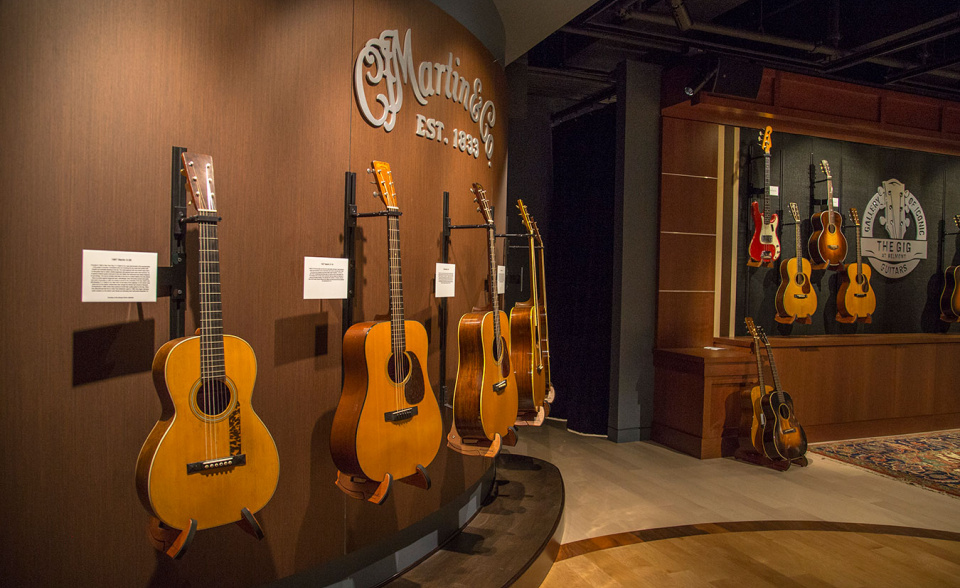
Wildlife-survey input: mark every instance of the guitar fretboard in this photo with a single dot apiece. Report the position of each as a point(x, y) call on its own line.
point(398, 334)
point(766, 188)
point(494, 298)
point(211, 318)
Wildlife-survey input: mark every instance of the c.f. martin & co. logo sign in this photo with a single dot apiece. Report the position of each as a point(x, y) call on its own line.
point(902, 240)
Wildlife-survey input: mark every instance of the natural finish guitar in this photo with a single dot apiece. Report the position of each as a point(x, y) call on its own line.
point(485, 395)
point(764, 246)
point(525, 339)
point(542, 303)
point(751, 413)
point(210, 460)
point(387, 425)
point(796, 299)
point(783, 437)
point(950, 297)
point(856, 299)
point(828, 246)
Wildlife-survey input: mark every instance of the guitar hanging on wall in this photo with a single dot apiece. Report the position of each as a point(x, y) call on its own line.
point(485, 395)
point(209, 460)
point(526, 355)
point(542, 302)
point(764, 246)
point(387, 425)
point(828, 246)
point(950, 297)
point(783, 437)
point(856, 299)
point(796, 299)
point(752, 419)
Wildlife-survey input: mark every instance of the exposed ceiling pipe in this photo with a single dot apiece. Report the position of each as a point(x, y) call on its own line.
point(921, 69)
point(593, 102)
point(928, 31)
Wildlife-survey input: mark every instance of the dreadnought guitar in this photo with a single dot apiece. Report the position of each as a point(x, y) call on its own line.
point(752, 419)
point(542, 304)
point(387, 425)
point(525, 352)
point(764, 246)
point(950, 297)
point(210, 460)
point(796, 298)
point(485, 399)
point(856, 300)
point(828, 246)
point(783, 437)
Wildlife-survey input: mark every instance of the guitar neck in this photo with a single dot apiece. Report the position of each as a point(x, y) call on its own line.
point(756, 348)
point(534, 288)
point(859, 257)
point(773, 367)
point(399, 337)
point(211, 317)
point(494, 298)
point(766, 188)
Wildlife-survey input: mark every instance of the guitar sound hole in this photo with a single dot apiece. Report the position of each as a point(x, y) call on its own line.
point(497, 350)
point(784, 412)
point(213, 398)
point(396, 373)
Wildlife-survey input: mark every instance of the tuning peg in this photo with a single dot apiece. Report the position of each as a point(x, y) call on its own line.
point(369, 171)
point(376, 194)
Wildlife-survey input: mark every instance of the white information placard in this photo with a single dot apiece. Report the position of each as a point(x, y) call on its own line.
point(501, 279)
point(119, 276)
point(446, 280)
point(325, 278)
point(774, 190)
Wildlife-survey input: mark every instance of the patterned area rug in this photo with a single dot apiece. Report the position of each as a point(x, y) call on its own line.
point(931, 460)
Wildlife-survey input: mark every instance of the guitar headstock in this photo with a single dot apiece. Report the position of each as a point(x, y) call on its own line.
point(762, 335)
point(765, 141)
point(388, 194)
point(795, 211)
point(480, 197)
point(751, 327)
point(855, 217)
point(956, 219)
point(525, 216)
point(198, 169)
point(825, 168)
point(536, 233)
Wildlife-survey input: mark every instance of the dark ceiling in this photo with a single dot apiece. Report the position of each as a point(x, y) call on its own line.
point(909, 46)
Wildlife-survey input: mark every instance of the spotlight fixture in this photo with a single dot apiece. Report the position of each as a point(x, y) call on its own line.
point(701, 81)
point(680, 15)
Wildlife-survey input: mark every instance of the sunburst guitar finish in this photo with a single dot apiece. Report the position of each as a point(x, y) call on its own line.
point(827, 245)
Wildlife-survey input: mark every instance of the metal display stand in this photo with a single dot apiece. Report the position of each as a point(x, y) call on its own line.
point(172, 281)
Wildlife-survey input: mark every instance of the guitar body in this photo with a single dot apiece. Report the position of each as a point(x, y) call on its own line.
point(783, 437)
point(180, 437)
point(525, 355)
point(950, 297)
point(827, 245)
point(480, 412)
point(751, 413)
point(764, 246)
point(796, 298)
point(362, 441)
point(855, 298)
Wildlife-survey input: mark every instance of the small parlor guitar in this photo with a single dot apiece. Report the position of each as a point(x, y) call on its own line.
point(828, 246)
point(387, 425)
point(783, 437)
point(856, 300)
point(542, 304)
point(764, 246)
point(210, 460)
point(525, 353)
point(485, 395)
point(796, 298)
point(751, 413)
point(950, 297)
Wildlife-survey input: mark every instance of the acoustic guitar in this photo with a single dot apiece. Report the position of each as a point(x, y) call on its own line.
point(525, 339)
point(752, 419)
point(387, 425)
point(856, 299)
point(209, 460)
point(542, 304)
point(828, 246)
point(796, 299)
point(783, 437)
point(764, 245)
point(950, 297)
point(485, 399)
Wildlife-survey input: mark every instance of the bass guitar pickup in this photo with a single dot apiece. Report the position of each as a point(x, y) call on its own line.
point(212, 465)
point(400, 415)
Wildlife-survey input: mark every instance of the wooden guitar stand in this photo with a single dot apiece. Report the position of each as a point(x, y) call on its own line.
point(174, 542)
point(530, 419)
point(852, 319)
point(789, 320)
point(376, 492)
point(480, 447)
point(782, 465)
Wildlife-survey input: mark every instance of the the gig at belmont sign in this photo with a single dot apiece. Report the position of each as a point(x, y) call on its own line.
point(387, 64)
point(898, 212)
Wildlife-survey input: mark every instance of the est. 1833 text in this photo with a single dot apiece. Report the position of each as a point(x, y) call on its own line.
point(430, 128)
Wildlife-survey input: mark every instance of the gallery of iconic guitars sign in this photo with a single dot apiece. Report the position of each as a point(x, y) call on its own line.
point(386, 63)
point(899, 214)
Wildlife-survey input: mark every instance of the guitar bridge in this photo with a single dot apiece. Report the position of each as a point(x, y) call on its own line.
point(859, 295)
point(500, 386)
point(833, 247)
point(212, 465)
point(800, 296)
point(400, 415)
point(788, 431)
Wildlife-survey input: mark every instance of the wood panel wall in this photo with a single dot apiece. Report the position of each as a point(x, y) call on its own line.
point(93, 97)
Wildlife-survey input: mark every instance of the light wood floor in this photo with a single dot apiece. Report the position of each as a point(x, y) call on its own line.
point(615, 488)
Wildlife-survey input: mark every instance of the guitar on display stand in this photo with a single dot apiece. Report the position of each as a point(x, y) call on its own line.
point(752, 419)
point(542, 301)
point(485, 402)
point(828, 246)
point(764, 246)
point(783, 437)
point(796, 299)
point(209, 460)
point(526, 356)
point(856, 299)
point(950, 297)
point(387, 425)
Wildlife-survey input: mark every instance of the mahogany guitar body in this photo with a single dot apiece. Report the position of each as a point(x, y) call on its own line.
point(526, 358)
point(827, 245)
point(363, 441)
point(950, 297)
point(856, 299)
point(197, 424)
point(480, 411)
